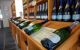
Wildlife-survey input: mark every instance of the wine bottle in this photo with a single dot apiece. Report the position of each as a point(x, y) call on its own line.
point(24, 24)
point(58, 37)
point(41, 11)
point(17, 22)
point(60, 11)
point(13, 19)
point(38, 13)
point(31, 28)
point(46, 11)
point(54, 12)
point(67, 16)
point(76, 14)
point(16, 18)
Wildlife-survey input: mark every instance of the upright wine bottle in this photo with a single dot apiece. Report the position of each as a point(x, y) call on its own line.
point(24, 24)
point(54, 12)
point(58, 37)
point(60, 11)
point(43, 12)
point(38, 13)
point(46, 10)
point(67, 16)
point(76, 14)
point(31, 28)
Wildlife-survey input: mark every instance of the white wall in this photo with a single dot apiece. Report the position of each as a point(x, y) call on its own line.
point(6, 11)
point(19, 8)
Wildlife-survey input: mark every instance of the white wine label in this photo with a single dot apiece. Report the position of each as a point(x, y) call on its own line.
point(76, 16)
point(54, 38)
point(30, 26)
point(44, 32)
point(21, 24)
point(26, 20)
point(16, 22)
point(37, 16)
point(54, 16)
point(59, 17)
point(46, 16)
point(66, 17)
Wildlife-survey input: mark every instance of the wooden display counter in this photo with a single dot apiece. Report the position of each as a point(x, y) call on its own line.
point(69, 44)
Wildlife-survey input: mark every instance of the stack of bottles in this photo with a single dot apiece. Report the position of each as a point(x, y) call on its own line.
point(42, 11)
point(66, 10)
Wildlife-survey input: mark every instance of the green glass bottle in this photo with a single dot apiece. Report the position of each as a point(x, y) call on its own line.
point(24, 24)
point(58, 37)
point(31, 28)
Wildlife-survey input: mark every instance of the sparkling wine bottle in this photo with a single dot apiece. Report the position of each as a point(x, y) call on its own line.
point(46, 11)
point(54, 13)
point(58, 37)
point(60, 11)
point(67, 16)
point(38, 13)
point(31, 28)
point(76, 13)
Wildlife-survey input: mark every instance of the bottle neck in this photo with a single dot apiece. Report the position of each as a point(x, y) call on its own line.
point(73, 25)
point(44, 22)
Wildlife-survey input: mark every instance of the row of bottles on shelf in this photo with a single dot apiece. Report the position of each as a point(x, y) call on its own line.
point(42, 11)
point(51, 41)
point(27, 25)
point(66, 10)
point(31, 12)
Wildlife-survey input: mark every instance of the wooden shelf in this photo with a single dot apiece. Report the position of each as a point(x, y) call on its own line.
point(33, 44)
point(40, 2)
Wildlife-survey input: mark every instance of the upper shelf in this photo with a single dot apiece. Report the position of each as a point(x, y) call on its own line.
point(41, 1)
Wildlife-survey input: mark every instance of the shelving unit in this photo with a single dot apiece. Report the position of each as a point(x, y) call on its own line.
point(70, 44)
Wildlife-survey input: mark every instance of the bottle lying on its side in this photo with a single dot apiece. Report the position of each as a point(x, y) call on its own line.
point(58, 37)
point(31, 28)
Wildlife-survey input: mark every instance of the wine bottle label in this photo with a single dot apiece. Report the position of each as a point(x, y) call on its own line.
point(37, 16)
point(30, 26)
point(54, 17)
point(16, 22)
point(66, 17)
point(59, 17)
point(54, 38)
point(44, 16)
point(21, 24)
point(76, 17)
point(44, 32)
